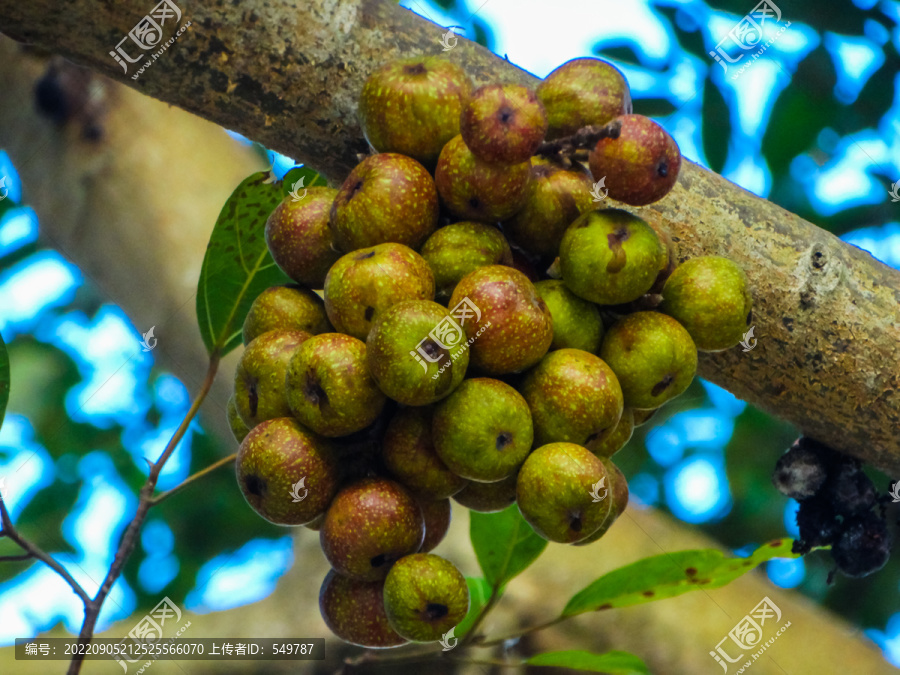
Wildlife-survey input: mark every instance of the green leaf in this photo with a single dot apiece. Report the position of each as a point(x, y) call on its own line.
point(237, 266)
point(4, 379)
point(479, 592)
point(302, 177)
point(504, 544)
point(668, 575)
point(612, 663)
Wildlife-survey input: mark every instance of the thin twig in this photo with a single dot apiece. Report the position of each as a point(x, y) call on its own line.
point(16, 558)
point(521, 633)
point(583, 139)
point(34, 551)
point(190, 479)
point(129, 538)
point(390, 657)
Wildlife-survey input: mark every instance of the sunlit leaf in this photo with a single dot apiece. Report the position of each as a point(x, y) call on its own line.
point(479, 592)
point(237, 266)
point(669, 575)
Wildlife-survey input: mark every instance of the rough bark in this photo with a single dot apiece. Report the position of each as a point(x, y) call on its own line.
point(287, 74)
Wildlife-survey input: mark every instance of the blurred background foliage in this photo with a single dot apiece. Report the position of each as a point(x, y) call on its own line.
point(811, 125)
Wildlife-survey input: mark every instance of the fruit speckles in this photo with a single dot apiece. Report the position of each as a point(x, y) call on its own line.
point(520, 329)
point(413, 107)
point(369, 525)
point(498, 190)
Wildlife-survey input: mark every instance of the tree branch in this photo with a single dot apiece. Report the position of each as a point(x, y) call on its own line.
point(825, 312)
point(190, 479)
point(129, 538)
point(7, 529)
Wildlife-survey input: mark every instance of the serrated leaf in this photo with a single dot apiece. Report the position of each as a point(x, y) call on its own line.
point(504, 544)
point(612, 663)
point(479, 592)
point(237, 266)
point(669, 575)
point(4, 379)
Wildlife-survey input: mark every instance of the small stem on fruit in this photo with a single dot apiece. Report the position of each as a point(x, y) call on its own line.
point(583, 139)
point(129, 538)
point(514, 636)
point(190, 479)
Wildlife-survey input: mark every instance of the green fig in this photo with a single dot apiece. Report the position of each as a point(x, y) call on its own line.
point(562, 492)
point(483, 430)
point(455, 250)
point(583, 92)
point(640, 164)
point(606, 447)
point(386, 198)
point(509, 324)
point(653, 357)
point(238, 428)
point(329, 388)
point(408, 453)
point(488, 497)
point(618, 490)
point(417, 353)
point(475, 190)
point(286, 473)
point(437, 514)
point(425, 596)
point(556, 196)
point(576, 322)
point(370, 525)
point(299, 238)
point(259, 391)
point(710, 298)
point(363, 283)
point(412, 106)
point(503, 123)
point(354, 611)
point(573, 396)
point(285, 308)
point(610, 257)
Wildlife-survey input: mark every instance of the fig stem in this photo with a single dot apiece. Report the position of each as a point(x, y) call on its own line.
point(583, 139)
point(190, 479)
